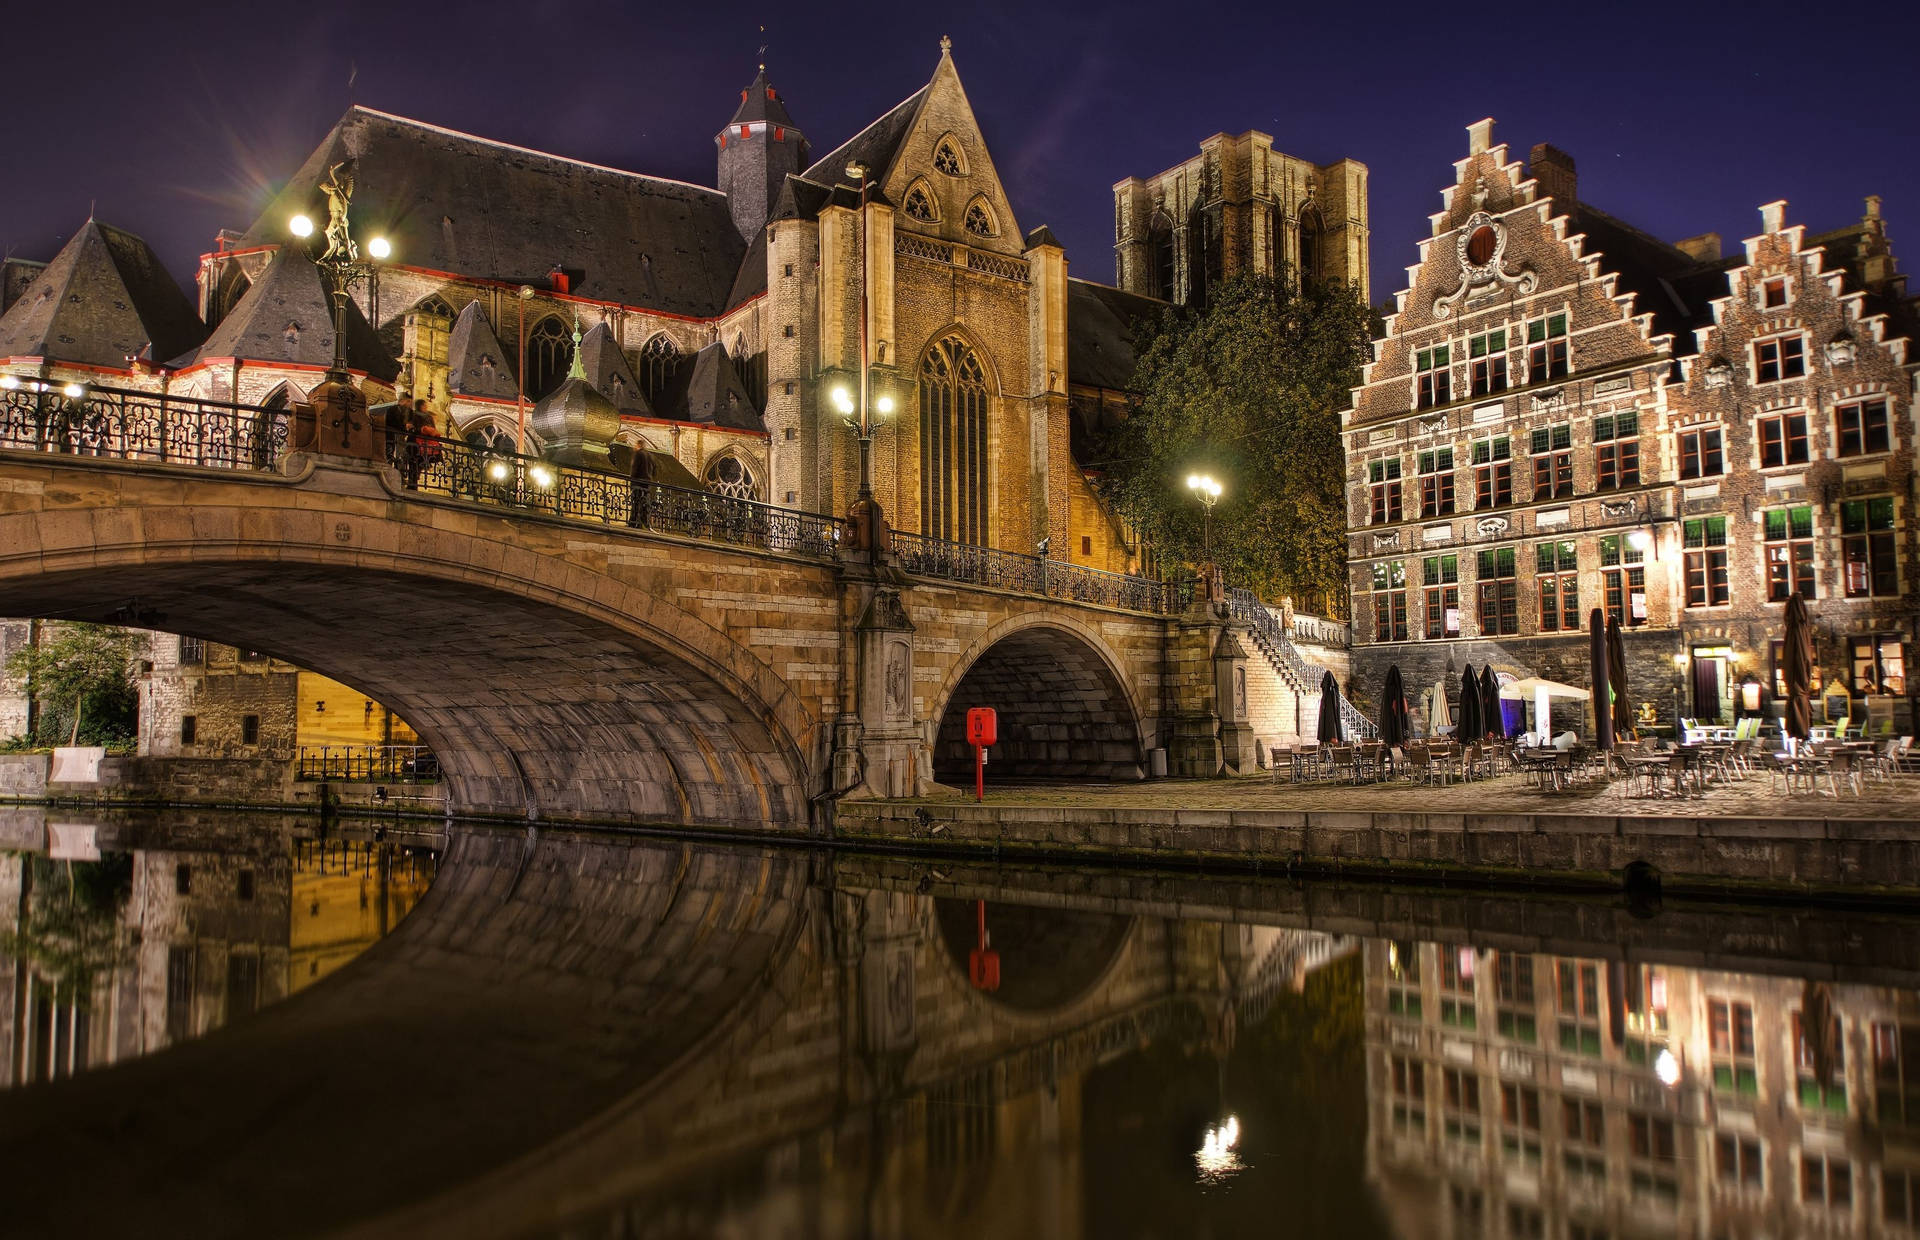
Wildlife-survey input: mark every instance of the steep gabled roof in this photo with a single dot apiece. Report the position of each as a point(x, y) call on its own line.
point(287, 317)
point(1668, 283)
point(752, 280)
point(874, 146)
point(761, 102)
point(104, 298)
point(476, 364)
point(800, 199)
point(714, 394)
point(453, 202)
point(1101, 323)
point(607, 369)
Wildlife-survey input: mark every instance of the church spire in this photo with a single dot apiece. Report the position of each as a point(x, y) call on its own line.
point(757, 150)
point(576, 370)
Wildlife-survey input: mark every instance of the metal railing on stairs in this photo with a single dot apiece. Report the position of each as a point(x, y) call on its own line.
point(1305, 677)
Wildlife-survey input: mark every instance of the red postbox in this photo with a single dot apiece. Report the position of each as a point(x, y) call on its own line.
point(983, 729)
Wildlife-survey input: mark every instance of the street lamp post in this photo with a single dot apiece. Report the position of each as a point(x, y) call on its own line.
point(1207, 491)
point(867, 519)
point(335, 418)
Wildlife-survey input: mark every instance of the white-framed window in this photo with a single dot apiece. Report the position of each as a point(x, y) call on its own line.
point(1774, 292)
point(1779, 357)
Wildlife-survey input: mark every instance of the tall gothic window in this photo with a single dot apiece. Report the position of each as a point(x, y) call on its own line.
point(1160, 255)
point(1311, 229)
point(953, 443)
point(1203, 254)
point(549, 348)
point(659, 362)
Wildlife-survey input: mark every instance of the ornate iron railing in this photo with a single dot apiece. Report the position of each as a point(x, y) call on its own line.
point(82, 420)
point(502, 479)
point(395, 764)
point(1306, 677)
point(1032, 574)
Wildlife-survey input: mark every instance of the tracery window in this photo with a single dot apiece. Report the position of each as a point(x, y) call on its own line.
point(549, 349)
point(489, 437)
point(1160, 254)
point(953, 443)
point(752, 369)
point(1310, 249)
point(659, 362)
point(919, 205)
point(947, 159)
point(732, 477)
point(979, 220)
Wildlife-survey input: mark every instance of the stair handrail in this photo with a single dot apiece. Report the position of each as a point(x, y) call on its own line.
point(1306, 677)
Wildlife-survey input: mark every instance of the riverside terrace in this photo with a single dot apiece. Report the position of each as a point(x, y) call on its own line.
point(1743, 834)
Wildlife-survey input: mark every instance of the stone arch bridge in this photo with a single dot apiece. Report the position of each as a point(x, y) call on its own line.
point(575, 649)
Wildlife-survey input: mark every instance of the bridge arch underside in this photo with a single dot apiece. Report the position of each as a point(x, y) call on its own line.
point(1063, 713)
point(533, 708)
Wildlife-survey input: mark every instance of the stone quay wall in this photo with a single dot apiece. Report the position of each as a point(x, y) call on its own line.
point(1856, 859)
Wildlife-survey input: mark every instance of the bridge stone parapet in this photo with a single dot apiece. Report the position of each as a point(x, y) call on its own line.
point(585, 669)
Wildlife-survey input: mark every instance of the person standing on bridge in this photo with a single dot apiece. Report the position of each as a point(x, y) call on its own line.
point(423, 442)
point(641, 499)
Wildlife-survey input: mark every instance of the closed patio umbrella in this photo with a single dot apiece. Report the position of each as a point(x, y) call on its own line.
point(1329, 710)
point(1439, 713)
point(1617, 681)
point(1490, 703)
point(1467, 730)
point(1396, 722)
point(1796, 668)
point(1602, 698)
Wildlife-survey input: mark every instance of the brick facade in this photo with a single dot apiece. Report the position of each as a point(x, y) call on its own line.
point(1527, 445)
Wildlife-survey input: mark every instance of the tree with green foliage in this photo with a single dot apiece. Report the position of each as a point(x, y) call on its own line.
point(1248, 388)
point(81, 676)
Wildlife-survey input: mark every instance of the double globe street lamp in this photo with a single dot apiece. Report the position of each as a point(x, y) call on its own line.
point(1207, 491)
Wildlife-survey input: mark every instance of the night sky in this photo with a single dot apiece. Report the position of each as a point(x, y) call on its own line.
point(1682, 120)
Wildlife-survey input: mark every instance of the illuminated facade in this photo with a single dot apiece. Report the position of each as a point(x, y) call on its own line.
point(1566, 413)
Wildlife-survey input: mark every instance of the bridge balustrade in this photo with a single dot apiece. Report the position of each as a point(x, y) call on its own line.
point(1033, 574)
point(78, 420)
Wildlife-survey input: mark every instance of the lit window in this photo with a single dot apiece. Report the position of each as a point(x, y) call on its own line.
point(1789, 552)
point(1552, 451)
point(1877, 664)
point(1863, 428)
point(1487, 354)
point(1706, 561)
point(1782, 357)
point(1436, 483)
point(1499, 595)
point(1436, 377)
point(1440, 577)
point(1547, 349)
point(1623, 581)
point(1783, 439)
point(1390, 602)
point(1383, 489)
point(1616, 451)
point(1492, 473)
point(1867, 548)
point(1558, 581)
point(1700, 453)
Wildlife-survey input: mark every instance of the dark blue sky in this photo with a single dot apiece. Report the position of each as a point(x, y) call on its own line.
point(1682, 118)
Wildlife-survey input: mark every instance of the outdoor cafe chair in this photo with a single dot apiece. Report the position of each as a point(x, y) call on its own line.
point(1341, 762)
point(1841, 765)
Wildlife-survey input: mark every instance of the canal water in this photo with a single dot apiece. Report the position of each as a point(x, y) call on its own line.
point(242, 1025)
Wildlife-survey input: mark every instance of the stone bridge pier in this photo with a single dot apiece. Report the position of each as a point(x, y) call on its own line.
point(566, 665)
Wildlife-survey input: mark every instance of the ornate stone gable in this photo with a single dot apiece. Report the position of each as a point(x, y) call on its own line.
point(945, 156)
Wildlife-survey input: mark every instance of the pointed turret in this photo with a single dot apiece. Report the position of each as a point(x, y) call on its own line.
point(575, 421)
point(287, 317)
point(758, 148)
point(104, 298)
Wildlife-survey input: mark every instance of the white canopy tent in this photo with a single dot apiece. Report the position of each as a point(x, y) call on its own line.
point(1542, 692)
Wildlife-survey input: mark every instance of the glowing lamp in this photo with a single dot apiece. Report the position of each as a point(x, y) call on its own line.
point(1639, 540)
point(842, 400)
point(9, 382)
point(1667, 1068)
point(73, 391)
point(301, 226)
point(379, 248)
point(542, 476)
point(497, 471)
point(884, 404)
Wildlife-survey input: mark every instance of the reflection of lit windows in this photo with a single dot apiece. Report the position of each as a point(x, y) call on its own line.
point(1816, 1094)
point(1646, 1013)
point(1520, 1122)
point(1579, 1007)
point(1525, 1222)
point(1460, 1093)
point(1513, 995)
point(1583, 1139)
point(1403, 980)
point(1826, 1181)
point(1736, 1161)
point(1896, 1073)
point(1650, 1141)
point(1409, 1096)
point(1456, 986)
point(1730, 1045)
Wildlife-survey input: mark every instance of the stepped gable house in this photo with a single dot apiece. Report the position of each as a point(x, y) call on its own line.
point(1565, 413)
point(712, 323)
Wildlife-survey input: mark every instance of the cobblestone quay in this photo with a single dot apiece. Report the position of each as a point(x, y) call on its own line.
point(1739, 840)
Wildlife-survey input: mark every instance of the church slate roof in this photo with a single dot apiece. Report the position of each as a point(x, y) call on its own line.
point(452, 202)
point(607, 370)
point(287, 317)
point(1670, 284)
point(714, 394)
point(874, 146)
point(800, 199)
point(104, 298)
point(1101, 324)
point(752, 280)
point(477, 365)
point(761, 102)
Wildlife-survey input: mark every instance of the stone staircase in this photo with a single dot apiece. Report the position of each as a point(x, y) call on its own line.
point(1283, 689)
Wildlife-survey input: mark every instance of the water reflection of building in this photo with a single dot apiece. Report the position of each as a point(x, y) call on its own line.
point(190, 939)
point(1520, 1094)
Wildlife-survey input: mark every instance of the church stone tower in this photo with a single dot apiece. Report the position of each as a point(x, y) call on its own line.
point(757, 150)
